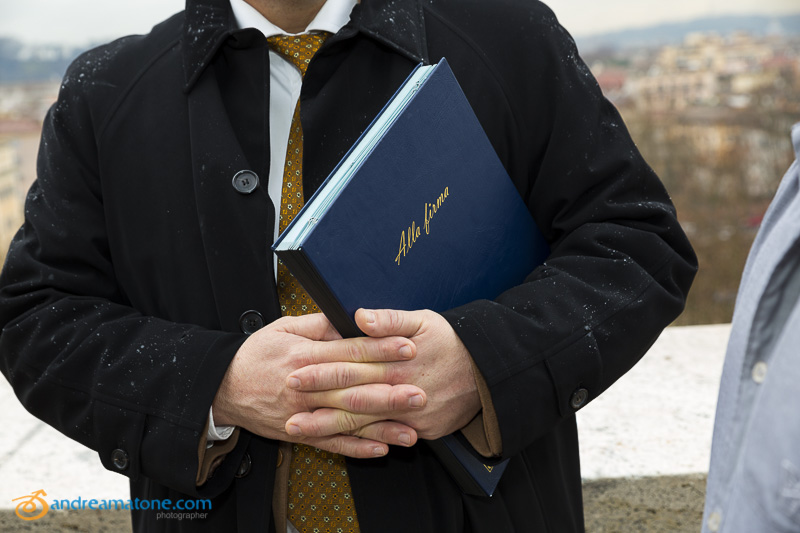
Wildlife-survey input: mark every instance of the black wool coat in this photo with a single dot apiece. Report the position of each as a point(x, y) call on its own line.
point(122, 295)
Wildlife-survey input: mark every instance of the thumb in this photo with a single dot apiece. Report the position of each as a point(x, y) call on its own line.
point(389, 322)
point(314, 326)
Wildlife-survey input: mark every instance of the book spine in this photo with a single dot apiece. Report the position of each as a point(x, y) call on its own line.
point(298, 263)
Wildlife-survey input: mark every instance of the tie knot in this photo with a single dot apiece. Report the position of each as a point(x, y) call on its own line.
point(299, 49)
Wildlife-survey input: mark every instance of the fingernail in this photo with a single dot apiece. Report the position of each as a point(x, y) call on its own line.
point(293, 430)
point(405, 352)
point(416, 401)
point(369, 316)
point(293, 383)
point(378, 451)
point(404, 438)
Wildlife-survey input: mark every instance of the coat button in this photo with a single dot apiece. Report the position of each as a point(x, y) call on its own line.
point(245, 181)
point(578, 398)
point(714, 521)
point(120, 459)
point(760, 372)
point(244, 466)
point(280, 459)
point(251, 321)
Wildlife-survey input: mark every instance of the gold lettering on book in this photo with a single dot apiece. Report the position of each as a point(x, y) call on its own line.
point(409, 236)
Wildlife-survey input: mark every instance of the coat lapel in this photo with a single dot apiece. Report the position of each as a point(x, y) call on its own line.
point(207, 22)
point(236, 228)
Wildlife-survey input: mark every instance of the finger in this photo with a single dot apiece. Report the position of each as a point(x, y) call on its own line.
point(371, 408)
point(362, 350)
point(389, 322)
point(390, 432)
point(328, 376)
point(314, 326)
point(371, 399)
point(350, 446)
point(327, 422)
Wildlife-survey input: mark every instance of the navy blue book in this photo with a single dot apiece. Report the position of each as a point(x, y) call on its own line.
point(420, 214)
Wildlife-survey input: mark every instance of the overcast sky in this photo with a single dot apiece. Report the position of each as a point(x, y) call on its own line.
point(81, 21)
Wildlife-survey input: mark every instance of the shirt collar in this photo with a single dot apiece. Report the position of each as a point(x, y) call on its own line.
point(208, 23)
point(332, 17)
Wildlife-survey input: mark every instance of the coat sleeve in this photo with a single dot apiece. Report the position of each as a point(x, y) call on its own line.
point(134, 388)
point(620, 265)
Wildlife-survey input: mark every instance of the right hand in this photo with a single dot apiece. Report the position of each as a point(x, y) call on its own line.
point(254, 393)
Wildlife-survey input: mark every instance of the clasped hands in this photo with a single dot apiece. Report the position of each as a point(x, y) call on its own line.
point(297, 380)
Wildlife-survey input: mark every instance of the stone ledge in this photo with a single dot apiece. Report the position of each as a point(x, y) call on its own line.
point(658, 419)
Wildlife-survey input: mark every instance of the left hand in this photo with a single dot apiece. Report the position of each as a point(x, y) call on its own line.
point(442, 368)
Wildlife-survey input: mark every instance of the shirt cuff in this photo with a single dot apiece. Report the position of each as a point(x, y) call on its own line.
point(216, 433)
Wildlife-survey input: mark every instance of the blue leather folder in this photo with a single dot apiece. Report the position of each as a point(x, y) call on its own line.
point(420, 214)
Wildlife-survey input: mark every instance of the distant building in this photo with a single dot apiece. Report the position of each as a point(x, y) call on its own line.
point(709, 70)
point(27, 100)
point(19, 145)
point(613, 81)
point(23, 134)
point(675, 90)
point(11, 207)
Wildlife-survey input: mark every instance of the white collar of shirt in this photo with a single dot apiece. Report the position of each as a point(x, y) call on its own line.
point(333, 15)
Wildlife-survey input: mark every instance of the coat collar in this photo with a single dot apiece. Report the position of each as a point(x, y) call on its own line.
point(398, 24)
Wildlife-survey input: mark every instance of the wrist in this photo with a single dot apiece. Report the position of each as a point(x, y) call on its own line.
point(221, 406)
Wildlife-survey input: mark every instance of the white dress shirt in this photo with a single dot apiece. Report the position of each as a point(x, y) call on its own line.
point(284, 91)
point(285, 82)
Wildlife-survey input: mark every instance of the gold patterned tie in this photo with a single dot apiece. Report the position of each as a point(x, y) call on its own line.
point(320, 499)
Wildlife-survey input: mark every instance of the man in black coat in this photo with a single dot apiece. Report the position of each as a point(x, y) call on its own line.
point(129, 293)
